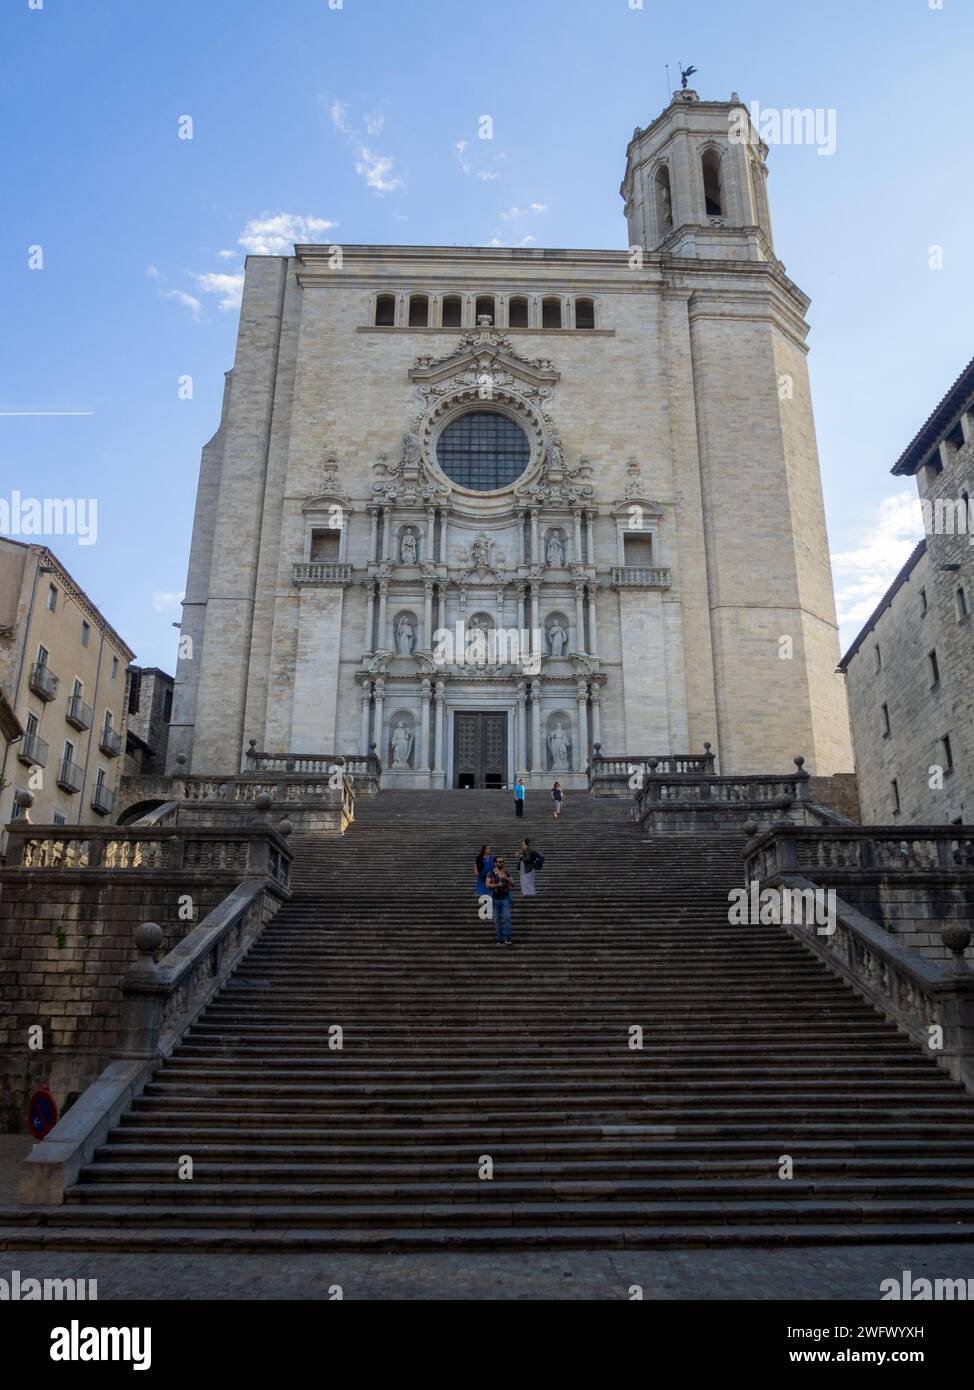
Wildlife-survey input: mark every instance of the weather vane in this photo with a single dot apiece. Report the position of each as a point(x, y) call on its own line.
point(685, 75)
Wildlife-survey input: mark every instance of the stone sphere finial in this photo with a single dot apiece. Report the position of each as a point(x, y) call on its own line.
point(799, 762)
point(707, 747)
point(750, 827)
point(252, 743)
point(263, 802)
point(286, 827)
point(149, 936)
point(180, 760)
point(24, 798)
point(956, 937)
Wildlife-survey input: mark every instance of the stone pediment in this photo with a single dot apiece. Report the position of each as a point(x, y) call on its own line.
point(485, 353)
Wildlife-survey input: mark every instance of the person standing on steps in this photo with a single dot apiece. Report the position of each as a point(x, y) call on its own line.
point(519, 798)
point(482, 867)
point(499, 883)
point(557, 796)
point(527, 863)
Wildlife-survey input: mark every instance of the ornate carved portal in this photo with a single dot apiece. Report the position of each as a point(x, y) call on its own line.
point(479, 749)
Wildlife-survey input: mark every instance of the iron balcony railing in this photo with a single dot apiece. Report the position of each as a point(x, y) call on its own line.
point(79, 714)
point(103, 800)
point(32, 750)
point(111, 742)
point(43, 681)
point(70, 776)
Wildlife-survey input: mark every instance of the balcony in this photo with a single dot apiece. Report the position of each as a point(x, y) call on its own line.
point(43, 681)
point(321, 572)
point(70, 776)
point(79, 714)
point(111, 742)
point(102, 800)
point(32, 750)
point(641, 577)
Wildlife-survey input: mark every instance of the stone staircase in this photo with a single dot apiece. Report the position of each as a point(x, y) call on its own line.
point(456, 1050)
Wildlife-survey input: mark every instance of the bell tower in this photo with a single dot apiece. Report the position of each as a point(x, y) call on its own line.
point(695, 182)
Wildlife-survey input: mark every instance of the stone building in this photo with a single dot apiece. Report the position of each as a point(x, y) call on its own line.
point(910, 671)
point(485, 508)
point(63, 667)
point(149, 705)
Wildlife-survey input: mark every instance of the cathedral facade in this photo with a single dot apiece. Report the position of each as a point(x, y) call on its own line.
point(486, 508)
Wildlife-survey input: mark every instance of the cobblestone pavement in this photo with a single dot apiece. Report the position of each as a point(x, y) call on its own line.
point(841, 1272)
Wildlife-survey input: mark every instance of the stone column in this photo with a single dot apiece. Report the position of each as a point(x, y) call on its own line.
point(596, 714)
point(369, 615)
point(537, 766)
point(440, 728)
point(383, 604)
point(520, 607)
point(428, 614)
point(522, 540)
point(579, 617)
point(581, 748)
point(535, 609)
point(534, 536)
point(522, 728)
point(444, 536)
point(365, 703)
point(590, 536)
point(387, 532)
point(423, 753)
point(374, 538)
point(430, 535)
point(378, 735)
point(577, 520)
point(593, 640)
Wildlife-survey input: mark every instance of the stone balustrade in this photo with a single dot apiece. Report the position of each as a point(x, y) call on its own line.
point(910, 954)
point(697, 802)
point(159, 1003)
point(622, 775)
point(641, 577)
point(314, 572)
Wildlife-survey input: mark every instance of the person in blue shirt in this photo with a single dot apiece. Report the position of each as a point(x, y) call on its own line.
point(519, 797)
point(483, 865)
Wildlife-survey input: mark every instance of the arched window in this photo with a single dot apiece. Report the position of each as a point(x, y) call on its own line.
point(385, 311)
point(551, 313)
point(452, 311)
point(483, 450)
point(712, 193)
point(517, 312)
point(664, 200)
point(485, 305)
point(419, 311)
point(584, 313)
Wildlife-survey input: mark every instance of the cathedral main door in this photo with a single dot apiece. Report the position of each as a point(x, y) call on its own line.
point(479, 749)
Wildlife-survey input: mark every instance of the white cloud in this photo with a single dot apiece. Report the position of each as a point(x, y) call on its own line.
point(228, 287)
point(486, 175)
point(164, 602)
point(275, 234)
point(228, 255)
point(376, 169)
point(863, 574)
point(188, 301)
point(525, 241)
point(339, 115)
point(512, 213)
point(374, 122)
point(153, 273)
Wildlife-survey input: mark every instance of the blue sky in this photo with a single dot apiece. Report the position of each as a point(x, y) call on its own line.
point(306, 115)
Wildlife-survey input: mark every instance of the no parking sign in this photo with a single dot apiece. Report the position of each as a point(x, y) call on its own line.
point(41, 1113)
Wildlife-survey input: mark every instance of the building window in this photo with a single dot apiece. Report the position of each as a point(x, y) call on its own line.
point(52, 597)
point(419, 311)
point(885, 713)
point(483, 450)
point(385, 311)
point(517, 312)
point(135, 691)
point(485, 305)
point(114, 667)
point(948, 753)
point(963, 607)
point(452, 311)
point(664, 200)
point(895, 789)
point(60, 818)
point(879, 657)
point(584, 313)
point(934, 669)
point(551, 313)
point(924, 605)
point(167, 706)
point(85, 633)
point(325, 547)
point(713, 196)
point(42, 655)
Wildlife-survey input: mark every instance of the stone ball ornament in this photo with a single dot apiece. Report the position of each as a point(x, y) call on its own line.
point(263, 801)
point(149, 937)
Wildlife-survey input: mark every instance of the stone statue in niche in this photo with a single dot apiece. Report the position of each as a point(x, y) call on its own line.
point(480, 552)
point(402, 744)
point(477, 647)
point(557, 638)
point(408, 550)
point(558, 746)
point(555, 550)
point(405, 636)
